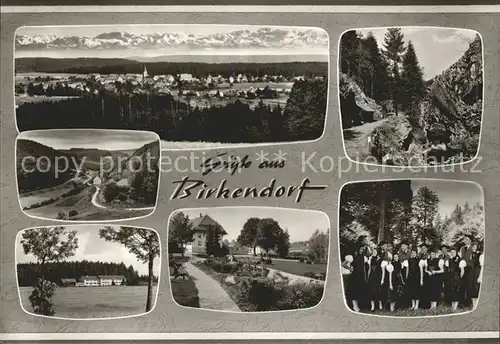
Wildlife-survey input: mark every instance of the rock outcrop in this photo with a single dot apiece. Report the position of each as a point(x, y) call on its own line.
point(451, 112)
point(354, 103)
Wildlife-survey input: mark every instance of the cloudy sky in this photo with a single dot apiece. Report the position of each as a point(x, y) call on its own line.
point(92, 248)
point(300, 224)
point(162, 40)
point(450, 193)
point(90, 138)
point(436, 48)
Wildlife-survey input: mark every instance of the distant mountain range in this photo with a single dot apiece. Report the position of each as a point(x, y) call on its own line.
point(265, 38)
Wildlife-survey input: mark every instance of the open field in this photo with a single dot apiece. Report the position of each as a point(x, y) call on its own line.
point(40, 99)
point(38, 196)
point(95, 302)
point(297, 268)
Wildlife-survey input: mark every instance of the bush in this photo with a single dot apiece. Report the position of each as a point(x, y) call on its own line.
point(304, 295)
point(309, 274)
point(61, 215)
point(111, 191)
point(41, 298)
point(73, 213)
point(122, 197)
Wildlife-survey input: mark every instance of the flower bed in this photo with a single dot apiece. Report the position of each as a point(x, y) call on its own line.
point(252, 290)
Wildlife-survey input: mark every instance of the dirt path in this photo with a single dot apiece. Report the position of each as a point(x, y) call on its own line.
point(356, 139)
point(210, 292)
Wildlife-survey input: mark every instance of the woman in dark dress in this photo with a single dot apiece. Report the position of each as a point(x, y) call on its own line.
point(453, 279)
point(412, 280)
point(434, 271)
point(359, 288)
point(475, 283)
point(374, 280)
point(395, 279)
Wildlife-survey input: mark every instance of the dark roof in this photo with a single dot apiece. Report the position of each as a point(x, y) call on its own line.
point(200, 223)
point(68, 280)
point(111, 276)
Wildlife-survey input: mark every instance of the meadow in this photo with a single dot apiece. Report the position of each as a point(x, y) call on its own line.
point(95, 302)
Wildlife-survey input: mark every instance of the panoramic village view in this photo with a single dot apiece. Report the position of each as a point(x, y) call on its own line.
point(87, 271)
point(193, 85)
point(411, 96)
point(87, 174)
point(248, 259)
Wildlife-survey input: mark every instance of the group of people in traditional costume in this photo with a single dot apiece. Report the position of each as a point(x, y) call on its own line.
point(380, 278)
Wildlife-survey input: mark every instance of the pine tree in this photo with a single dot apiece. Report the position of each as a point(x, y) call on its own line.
point(412, 82)
point(394, 48)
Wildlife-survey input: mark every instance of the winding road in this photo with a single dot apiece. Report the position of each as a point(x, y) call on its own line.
point(96, 204)
point(356, 138)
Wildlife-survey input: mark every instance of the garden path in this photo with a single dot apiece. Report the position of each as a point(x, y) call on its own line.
point(210, 292)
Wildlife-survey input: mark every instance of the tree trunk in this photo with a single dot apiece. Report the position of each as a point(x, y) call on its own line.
point(149, 301)
point(254, 249)
point(381, 224)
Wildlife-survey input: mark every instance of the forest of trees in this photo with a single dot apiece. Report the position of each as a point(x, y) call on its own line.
point(197, 69)
point(302, 118)
point(390, 211)
point(391, 76)
point(28, 273)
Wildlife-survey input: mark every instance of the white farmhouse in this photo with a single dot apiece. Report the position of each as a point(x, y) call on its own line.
point(90, 281)
point(111, 280)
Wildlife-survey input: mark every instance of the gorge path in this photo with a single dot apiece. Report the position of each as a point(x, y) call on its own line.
point(355, 139)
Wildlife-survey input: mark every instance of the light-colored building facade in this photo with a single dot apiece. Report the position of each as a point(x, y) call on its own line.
point(101, 281)
point(201, 225)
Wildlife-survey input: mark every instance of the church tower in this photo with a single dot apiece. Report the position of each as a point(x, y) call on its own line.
point(145, 73)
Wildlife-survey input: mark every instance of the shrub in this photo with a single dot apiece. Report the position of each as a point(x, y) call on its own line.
point(303, 295)
point(122, 196)
point(41, 297)
point(73, 213)
point(111, 191)
point(309, 274)
point(61, 215)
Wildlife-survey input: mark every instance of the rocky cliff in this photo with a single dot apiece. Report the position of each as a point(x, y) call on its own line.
point(445, 125)
point(451, 112)
point(353, 101)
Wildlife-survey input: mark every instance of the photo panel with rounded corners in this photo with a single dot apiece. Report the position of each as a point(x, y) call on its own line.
point(411, 96)
point(248, 259)
point(411, 247)
point(196, 86)
point(87, 174)
point(88, 271)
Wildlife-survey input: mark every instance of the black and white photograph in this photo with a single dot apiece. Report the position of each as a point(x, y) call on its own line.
point(412, 247)
point(196, 86)
point(87, 271)
point(87, 174)
point(411, 96)
point(248, 259)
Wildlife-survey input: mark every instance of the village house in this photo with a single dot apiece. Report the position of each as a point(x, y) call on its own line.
point(101, 281)
point(200, 227)
point(109, 280)
point(90, 281)
point(68, 282)
point(185, 77)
